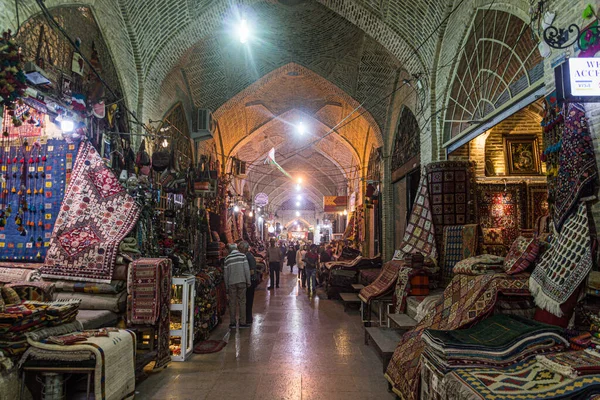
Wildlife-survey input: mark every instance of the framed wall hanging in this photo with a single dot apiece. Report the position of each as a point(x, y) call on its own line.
point(522, 155)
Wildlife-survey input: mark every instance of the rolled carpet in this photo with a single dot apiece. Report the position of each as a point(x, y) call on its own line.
point(112, 302)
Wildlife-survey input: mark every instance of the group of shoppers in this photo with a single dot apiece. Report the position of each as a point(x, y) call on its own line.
point(242, 276)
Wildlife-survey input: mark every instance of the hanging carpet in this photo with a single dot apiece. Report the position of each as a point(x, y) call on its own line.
point(97, 213)
point(504, 207)
point(149, 277)
point(466, 300)
point(384, 282)
point(577, 168)
point(563, 267)
point(451, 188)
point(460, 243)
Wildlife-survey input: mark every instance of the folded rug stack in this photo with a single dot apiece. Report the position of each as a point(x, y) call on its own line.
point(572, 363)
point(17, 320)
point(498, 341)
point(102, 303)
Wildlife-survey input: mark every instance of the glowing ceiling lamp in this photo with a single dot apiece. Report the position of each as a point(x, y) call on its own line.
point(271, 229)
point(297, 204)
point(299, 197)
point(67, 125)
point(345, 212)
point(301, 128)
point(298, 187)
point(243, 31)
point(297, 213)
point(236, 209)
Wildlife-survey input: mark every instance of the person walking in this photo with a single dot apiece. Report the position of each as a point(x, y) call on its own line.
point(300, 261)
point(274, 262)
point(243, 247)
point(237, 280)
point(291, 258)
point(311, 262)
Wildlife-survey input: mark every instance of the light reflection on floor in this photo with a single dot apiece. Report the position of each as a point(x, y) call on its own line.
point(297, 348)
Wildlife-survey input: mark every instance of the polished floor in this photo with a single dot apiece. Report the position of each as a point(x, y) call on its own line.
point(297, 348)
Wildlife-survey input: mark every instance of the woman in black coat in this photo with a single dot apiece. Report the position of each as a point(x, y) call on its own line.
point(291, 258)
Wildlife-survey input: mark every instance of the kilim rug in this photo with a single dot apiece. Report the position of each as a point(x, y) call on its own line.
point(460, 243)
point(466, 300)
point(419, 235)
point(96, 214)
point(572, 363)
point(525, 380)
point(537, 203)
point(384, 282)
point(502, 206)
point(163, 356)
point(114, 376)
point(564, 266)
point(451, 188)
point(144, 286)
point(209, 346)
point(577, 168)
point(9, 275)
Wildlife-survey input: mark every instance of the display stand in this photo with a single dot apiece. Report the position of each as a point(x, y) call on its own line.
point(182, 317)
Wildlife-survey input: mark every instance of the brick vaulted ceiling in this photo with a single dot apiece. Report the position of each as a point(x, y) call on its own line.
point(304, 63)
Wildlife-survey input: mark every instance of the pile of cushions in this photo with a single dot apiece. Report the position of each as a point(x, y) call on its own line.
point(521, 256)
point(498, 341)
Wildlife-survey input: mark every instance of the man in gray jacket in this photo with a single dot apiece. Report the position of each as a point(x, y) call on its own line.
point(237, 279)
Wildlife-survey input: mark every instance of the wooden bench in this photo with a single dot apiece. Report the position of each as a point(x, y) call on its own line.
point(349, 298)
point(385, 340)
point(401, 321)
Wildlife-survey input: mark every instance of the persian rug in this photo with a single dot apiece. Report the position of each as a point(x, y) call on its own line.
point(466, 300)
point(537, 203)
point(460, 243)
point(96, 214)
point(502, 206)
point(563, 267)
point(525, 380)
point(114, 375)
point(384, 282)
point(209, 346)
point(451, 188)
point(420, 232)
point(145, 283)
point(572, 363)
point(577, 168)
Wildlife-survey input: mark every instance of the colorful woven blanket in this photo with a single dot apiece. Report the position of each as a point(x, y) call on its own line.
point(466, 300)
point(96, 214)
point(384, 282)
point(525, 380)
point(577, 168)
point(563, 267)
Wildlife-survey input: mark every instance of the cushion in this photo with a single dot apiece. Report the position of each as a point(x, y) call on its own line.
point(494, 249)
point(521, 255)
point(492, 236)
point(478, 265)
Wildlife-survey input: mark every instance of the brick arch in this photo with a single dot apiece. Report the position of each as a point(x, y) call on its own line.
point(481, 85)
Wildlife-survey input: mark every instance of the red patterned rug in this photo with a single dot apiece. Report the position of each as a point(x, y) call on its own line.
point(164, 333)
point(502, 206)
point(96, 214)
point(147, 276)
point(466, 300)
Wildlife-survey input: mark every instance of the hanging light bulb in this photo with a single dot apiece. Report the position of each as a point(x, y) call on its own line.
point(236, 209)
point(165, 143)
point(297, 213)
point(250, 214)
point(345, 212)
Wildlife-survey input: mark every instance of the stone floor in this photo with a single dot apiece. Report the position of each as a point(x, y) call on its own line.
point(297, 348)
